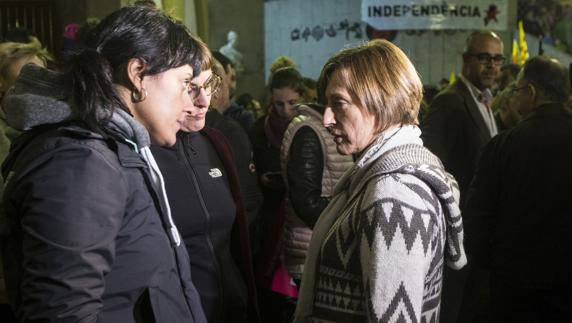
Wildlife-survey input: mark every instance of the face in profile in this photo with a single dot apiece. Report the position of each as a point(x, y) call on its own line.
point(522, 99)
point(483, 62)
point(354, 128)
point(220, 100)
point(284, 101)
point(200, 91)
point(163, 110)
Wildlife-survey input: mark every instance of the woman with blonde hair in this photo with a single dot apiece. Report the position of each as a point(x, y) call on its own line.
point(378, 249)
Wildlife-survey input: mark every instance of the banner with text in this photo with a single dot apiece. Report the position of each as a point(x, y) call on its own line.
point(435, 14)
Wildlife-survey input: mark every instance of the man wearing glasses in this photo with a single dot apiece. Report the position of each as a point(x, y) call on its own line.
point(518, 210)
point(458, 124)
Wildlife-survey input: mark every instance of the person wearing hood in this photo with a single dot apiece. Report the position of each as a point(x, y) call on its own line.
point(378, 249)
point(13, 56)
point(86, 229)
point(518, 208)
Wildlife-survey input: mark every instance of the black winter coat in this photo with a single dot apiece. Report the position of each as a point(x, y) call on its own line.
point(84, 235)
point(242, 149)
point(518, 219)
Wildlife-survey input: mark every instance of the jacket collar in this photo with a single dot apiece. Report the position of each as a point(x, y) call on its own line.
point(41, 96)
point(549, 110)
point(471, 106)
point(126, 155)
point(380, 157)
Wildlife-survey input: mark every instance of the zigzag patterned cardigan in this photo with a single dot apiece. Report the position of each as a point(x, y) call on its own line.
point(378, 249)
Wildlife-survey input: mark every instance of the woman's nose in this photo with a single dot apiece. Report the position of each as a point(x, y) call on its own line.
point(329, 119)
point(202, 100)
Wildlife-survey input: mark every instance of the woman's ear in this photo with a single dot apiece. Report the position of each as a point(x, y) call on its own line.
point(135, 72)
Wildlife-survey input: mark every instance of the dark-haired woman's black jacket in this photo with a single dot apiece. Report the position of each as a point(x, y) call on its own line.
point(83, 235)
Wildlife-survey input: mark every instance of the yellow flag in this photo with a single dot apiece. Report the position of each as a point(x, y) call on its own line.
point(452, 77)
point(523, 45)
point(515, 53)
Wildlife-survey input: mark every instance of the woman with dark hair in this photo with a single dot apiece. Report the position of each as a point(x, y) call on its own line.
point(286, 90)
point(86, 224)
point(378, 249)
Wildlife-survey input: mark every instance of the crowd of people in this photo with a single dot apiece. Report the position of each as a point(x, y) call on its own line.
point(548, 20)
point(139, 187)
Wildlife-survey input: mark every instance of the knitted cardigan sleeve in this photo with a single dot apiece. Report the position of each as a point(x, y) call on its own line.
point(400, 249)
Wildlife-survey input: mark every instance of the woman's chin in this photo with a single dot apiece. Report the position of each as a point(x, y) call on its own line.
point(193, 124)
point(164, 141)
point(343, 149)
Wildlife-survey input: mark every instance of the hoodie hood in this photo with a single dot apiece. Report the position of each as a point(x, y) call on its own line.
point(41, 96)
point(401, 151)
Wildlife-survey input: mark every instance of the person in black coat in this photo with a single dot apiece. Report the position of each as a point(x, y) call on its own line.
point(86, 230)
point(240, 144)
point(518, 210)
point(458, 123)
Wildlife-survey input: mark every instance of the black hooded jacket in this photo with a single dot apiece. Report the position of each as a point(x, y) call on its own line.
point(85, 235)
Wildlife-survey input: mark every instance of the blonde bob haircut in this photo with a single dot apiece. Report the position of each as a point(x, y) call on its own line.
point(379, 78)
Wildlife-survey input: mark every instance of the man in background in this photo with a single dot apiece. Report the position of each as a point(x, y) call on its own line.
point(518, 212)
point(244, 117)
point(457, 125)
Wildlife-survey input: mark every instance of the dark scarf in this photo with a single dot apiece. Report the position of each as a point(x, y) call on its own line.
point(275, 126)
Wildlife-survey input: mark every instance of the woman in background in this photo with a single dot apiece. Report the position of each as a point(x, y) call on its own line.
point(286, 89)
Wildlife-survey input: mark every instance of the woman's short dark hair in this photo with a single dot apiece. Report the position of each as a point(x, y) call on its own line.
point(287, 77)
point(136, 32)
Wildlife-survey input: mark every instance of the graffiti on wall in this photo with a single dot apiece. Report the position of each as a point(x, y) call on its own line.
point(351, 30)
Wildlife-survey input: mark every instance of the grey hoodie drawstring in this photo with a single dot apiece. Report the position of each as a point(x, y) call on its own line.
point(159, 183)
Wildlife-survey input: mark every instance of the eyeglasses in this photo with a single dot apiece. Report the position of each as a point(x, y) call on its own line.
point(485, 58)
point(211, 85)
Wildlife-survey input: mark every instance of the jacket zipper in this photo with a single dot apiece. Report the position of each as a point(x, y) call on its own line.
point(193, 176)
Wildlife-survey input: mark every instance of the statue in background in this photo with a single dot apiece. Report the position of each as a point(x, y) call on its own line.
point(229, 50)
